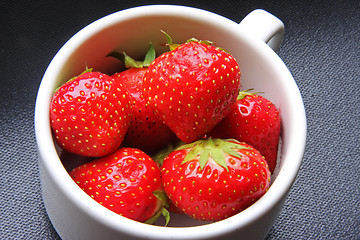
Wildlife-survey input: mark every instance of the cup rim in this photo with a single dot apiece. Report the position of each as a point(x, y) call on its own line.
point(67, 186)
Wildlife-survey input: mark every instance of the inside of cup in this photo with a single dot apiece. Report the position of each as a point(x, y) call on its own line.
point(91, 46)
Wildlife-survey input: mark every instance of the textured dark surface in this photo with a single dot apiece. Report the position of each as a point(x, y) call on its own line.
point(321, 48)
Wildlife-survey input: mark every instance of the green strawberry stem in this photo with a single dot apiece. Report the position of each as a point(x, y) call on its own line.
point(246, 92)
point(85, 71)
point(214, 148)
point(163, 211)
point(207, 42)
point(150, 55)
point(161, 195)
point(172, 45)
point(131, 63)
point(162, 154)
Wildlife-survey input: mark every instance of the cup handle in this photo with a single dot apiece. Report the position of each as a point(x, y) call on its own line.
point(264, 26)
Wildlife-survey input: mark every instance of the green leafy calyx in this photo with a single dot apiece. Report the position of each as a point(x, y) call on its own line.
point(87, 70)
point(161, 195)
point(162, 154)
point(212, 148)
point(132, 63)
point(172, 45)
point(245, 93)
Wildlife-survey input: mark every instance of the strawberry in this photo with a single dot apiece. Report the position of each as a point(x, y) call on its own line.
point(146, 131)
point(212, 179)
point(90, 114)
point(192, 87)
point(128, 182)
point(256, 121)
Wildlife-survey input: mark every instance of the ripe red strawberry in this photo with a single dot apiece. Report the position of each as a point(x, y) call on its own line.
point(192, 87)
point(214, 179)
point(90, 114)
point(256, 121)
point(146, 131)
point(124, 182)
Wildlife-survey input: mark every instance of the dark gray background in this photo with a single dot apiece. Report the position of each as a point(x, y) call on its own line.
point(321, 48)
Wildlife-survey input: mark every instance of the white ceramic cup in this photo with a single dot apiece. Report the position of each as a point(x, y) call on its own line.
point(73, 213)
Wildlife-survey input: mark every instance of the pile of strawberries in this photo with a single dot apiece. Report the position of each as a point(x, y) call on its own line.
point(171, 133)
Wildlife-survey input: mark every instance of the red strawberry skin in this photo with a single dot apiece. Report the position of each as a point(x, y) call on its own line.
point(123, 182)
point(90, 115)
point(192, 87)
point(256, 121)
point(212, 193)
point(146, 131)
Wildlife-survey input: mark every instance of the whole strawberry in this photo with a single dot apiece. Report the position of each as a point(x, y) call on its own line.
point(214, 179)
point(256, 121)
point(125, 182)
point(90, 114)
point(146, 131)
point(192, 87)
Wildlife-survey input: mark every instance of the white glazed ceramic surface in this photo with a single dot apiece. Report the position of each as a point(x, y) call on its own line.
point(73, 213)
